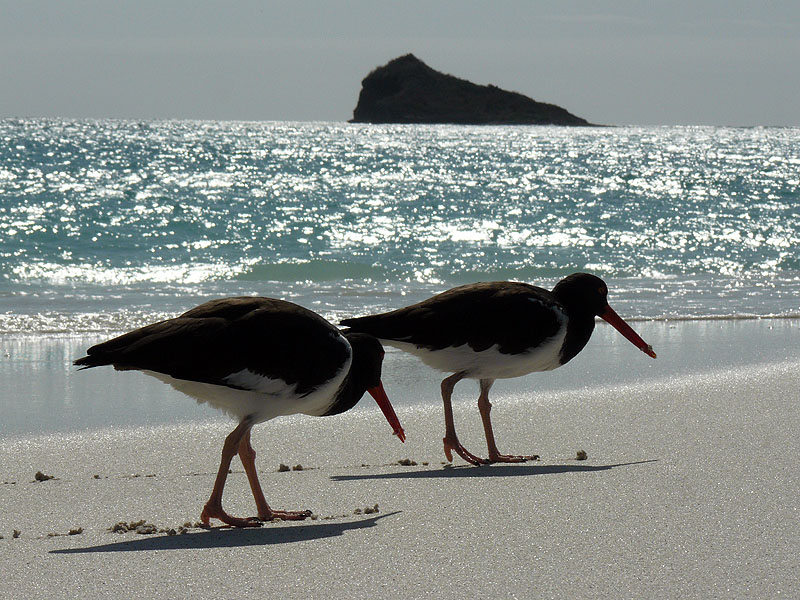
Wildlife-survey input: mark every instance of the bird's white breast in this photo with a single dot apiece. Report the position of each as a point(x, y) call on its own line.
point(490, 363)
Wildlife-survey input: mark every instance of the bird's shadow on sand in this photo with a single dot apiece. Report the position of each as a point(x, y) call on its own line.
point(285, 534)
point(500, 470)
point(222, 537)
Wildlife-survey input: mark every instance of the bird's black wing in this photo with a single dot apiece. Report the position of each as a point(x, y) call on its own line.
point(267, 337)
point(515, 316)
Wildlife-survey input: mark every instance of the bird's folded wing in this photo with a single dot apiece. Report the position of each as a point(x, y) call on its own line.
point(211, 342)
point(515, 318)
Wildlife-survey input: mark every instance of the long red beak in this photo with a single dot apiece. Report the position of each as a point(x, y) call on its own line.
point(388, 411)
point(616, 321)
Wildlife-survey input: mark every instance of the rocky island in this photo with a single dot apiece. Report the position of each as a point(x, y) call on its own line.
point(406, 90)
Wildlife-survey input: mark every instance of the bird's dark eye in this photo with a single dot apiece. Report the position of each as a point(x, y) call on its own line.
point(603, 290)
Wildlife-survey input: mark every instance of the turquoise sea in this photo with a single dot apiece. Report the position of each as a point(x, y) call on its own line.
point(107, 225)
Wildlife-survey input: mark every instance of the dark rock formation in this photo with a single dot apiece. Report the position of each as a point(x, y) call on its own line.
point(406, 90)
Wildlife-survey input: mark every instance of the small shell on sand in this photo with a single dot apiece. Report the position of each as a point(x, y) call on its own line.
point(581, 455)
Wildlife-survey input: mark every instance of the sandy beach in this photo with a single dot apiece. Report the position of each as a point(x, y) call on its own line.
point(690, 490)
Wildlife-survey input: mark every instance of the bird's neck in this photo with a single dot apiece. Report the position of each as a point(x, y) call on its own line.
point(346, 398)
point(580, 325)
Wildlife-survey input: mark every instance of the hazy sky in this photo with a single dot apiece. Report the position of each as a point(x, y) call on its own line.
point(716, 62)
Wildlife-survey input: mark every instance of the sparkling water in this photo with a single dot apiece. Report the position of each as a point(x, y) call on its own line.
point(106, 225)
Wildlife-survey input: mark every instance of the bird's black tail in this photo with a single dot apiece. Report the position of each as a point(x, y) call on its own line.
point(379, 326)
point(87, 362)
point(94, 359)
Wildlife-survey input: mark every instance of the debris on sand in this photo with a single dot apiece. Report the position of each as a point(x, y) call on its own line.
point(147, 529)
point(407, 462)
point(581, 455)
point(73, 531)
point(42, 477)
point(282, 468)
point(142, 527)
point(369, 510)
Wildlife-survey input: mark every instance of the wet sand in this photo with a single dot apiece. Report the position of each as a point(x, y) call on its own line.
point(690, 489)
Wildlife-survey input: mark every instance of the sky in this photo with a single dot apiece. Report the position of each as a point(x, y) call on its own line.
point(680, 62)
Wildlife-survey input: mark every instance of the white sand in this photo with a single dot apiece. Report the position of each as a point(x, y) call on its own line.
point(690, 490)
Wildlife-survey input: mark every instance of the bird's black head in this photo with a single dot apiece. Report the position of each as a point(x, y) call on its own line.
point(586, 296)
point(365, 371)
point(582, 293)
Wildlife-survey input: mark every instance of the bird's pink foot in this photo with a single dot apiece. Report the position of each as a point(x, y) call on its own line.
point(453, 445)
point(511, 458)
point(214, 511)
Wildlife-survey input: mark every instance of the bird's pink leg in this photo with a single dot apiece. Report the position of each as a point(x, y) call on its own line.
point(265, 513)
point(450, 439)
point(485, 408)
point(213, 508)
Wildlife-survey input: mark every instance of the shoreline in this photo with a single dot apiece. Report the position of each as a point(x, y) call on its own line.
point(44, 393)
point(105, 333)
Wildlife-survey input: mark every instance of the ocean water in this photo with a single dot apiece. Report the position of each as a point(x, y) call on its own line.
point(108, 225)
point(105, 225)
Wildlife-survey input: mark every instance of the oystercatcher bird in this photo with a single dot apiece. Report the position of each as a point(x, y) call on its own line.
point(489, 331)
point(255, 359)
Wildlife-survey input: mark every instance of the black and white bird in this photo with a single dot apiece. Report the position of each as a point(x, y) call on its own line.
point(489, 331)
point(255, 359)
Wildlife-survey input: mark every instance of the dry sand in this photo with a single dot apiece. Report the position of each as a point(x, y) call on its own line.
point(690, 490)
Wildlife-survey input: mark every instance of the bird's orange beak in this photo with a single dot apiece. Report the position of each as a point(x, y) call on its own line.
point(617, 323)
point(388, 411)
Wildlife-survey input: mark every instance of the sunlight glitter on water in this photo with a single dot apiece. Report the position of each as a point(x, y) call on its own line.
point(110, 203)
